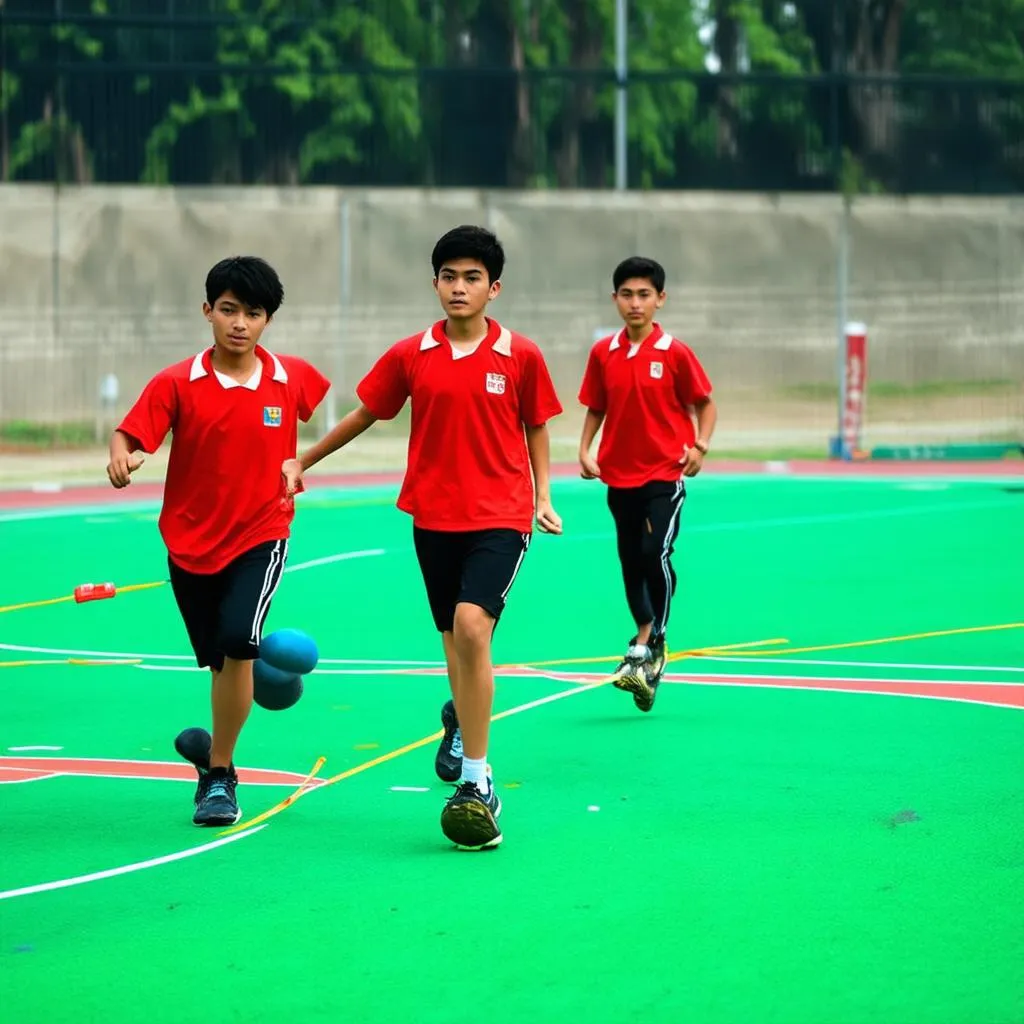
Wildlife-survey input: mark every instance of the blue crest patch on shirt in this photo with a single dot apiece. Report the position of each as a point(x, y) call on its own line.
point(271, 415)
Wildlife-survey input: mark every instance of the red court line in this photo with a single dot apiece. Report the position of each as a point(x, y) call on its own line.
point(139, 491)
point(21, 769)
point(1003, 695)
point(1008, 695)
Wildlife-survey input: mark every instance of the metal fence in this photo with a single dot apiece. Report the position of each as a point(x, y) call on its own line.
point(147, 98)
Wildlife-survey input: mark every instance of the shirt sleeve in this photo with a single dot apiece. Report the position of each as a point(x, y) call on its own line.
point(592, 390)
point(691, 382)
point(538, 400)
point(385, 389)
point(153, 415)
point(313, 386)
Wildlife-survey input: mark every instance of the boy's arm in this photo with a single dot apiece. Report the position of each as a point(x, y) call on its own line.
point(589, 469)
point(707, 416)
point(125, 458)
point(538, 443)
point(143, 429)
point(350, 427)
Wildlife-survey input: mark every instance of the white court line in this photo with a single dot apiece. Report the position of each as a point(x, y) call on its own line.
point(379, 662)
point(410, 789)
point(331, 559)
point(71, 511)
point(424, 670)
point(22, 750)
point(861, 664)
point(838, 517)
point(328, 560)
point(590, 677)
point(126, 869)
point(94, 654)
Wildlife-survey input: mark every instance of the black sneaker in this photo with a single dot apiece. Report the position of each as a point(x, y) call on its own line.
point(448, 762)
point(194, 746)
point(215, 798)
point(653, 670)
point(633, 675)
point(470, 819)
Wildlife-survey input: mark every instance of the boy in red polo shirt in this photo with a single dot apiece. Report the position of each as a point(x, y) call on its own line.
point(642, 384)
point(481, 398)
point(234, 411)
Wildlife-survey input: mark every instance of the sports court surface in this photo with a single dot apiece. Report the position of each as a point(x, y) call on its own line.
point(818, 830)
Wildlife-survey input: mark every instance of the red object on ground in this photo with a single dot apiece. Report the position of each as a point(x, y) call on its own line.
point(94, 591)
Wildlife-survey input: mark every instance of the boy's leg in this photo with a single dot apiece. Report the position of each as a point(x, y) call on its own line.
point(246, 588)
point(663, 502)
point(628, 509)
point(664, 506)
point(440, 557)
point(489, 569)
point(199, 599)
point(251, 581)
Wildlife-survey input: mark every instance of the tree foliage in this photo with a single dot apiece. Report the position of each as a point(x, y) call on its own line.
point(721, 93)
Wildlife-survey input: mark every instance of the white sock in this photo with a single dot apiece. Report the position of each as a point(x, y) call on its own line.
point(474, 769)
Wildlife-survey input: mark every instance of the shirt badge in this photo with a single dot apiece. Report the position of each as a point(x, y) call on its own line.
point(271, 415)
point(496, 383)
point(657, 370)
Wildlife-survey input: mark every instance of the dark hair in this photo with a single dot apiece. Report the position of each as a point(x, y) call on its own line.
point(639, 266)
point(251, 280)
point(470, 243)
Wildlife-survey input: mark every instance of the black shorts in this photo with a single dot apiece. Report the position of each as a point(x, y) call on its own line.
point(473, 567)
point(224, 611)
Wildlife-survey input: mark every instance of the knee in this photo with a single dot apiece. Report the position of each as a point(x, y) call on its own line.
point(237, 644)
point(652, 550)
point(473, 628)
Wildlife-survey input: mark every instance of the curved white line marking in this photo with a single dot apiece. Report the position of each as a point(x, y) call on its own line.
point(93, 654)
point(331, 559)
point(127, 869)
point(328, 560)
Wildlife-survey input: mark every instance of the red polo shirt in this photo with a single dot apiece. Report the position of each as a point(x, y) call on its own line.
point(644, 397)
point(224, 493)
point(468, 465)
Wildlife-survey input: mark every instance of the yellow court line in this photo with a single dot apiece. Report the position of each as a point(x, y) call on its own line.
point(890, 639)
point(70, 597)
point(277, 808)
point(398, 752)
point(304, 789)
point(551, 663)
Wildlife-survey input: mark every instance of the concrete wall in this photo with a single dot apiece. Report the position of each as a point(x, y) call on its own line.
point(109, 279)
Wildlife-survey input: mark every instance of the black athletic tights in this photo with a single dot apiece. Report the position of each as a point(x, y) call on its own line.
point(647, 524)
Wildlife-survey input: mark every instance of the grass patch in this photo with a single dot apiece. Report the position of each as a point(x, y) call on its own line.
point(27, 434)
point(892, 389)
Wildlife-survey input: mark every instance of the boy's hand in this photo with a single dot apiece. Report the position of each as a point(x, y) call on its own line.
point(547, 518)
point(291, 471)
point(121, 467)
point(692, 461)
point(589, 469)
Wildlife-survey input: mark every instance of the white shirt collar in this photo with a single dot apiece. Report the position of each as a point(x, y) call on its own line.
point(502, 344)
point(663, 344)
point(198, 369)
